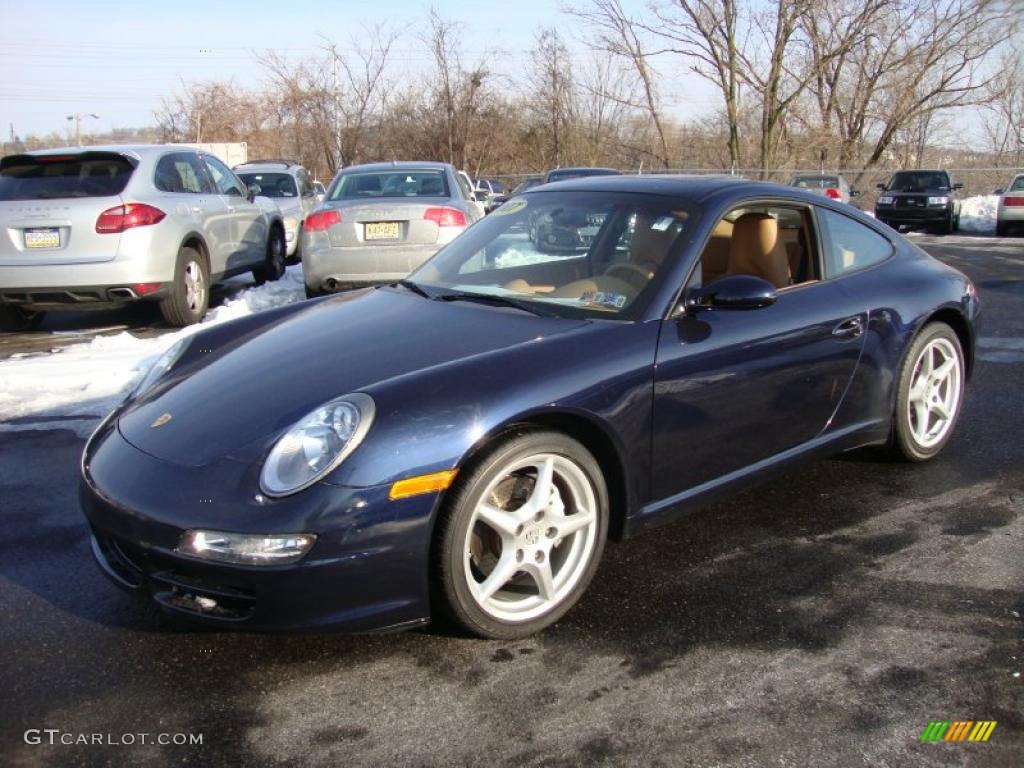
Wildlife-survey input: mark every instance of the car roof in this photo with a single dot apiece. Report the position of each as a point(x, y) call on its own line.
point(139, 150)
point(694, 187)
point(407, 165)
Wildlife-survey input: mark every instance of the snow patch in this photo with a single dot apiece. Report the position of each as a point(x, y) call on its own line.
point(90, 379)
point(978, 214)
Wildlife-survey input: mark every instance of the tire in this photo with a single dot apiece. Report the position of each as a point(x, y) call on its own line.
point(274, 265)
point(16, 319)
point(312, 293)
point(1002, 228)
point(946, 227)
point(468, 549)
point(190, 292)
point(920, 435)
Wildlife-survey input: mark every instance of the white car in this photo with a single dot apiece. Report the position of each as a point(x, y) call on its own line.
point(1011, 206)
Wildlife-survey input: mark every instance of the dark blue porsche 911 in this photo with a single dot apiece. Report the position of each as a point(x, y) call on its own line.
point(462, 443)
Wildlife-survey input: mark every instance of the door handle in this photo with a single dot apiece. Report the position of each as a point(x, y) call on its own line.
point(849, 329)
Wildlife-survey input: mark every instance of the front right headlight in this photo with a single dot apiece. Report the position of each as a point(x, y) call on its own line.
point(317, 444)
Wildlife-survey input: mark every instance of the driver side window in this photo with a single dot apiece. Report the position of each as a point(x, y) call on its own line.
point(773, 242)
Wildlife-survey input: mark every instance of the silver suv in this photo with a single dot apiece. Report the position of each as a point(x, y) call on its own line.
point(98, 227)
point(288, 185)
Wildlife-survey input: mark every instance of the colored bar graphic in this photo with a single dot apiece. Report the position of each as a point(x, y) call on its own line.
point(935, 731)
point(982, 730)
point(958, 730)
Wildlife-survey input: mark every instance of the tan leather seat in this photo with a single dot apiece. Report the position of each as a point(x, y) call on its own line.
point(714, 261)
point(756, 249)
point(648, 247)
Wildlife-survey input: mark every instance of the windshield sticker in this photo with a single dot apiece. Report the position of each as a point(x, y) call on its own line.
point(662, 224)
point(604, 298)
point(512, 206)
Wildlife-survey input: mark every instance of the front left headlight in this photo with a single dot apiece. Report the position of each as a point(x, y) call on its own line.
point(316, 445)
point(941, 200)
point(885, 200)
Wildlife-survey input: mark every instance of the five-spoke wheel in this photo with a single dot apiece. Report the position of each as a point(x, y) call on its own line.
point(522, 536)
point(930, 394)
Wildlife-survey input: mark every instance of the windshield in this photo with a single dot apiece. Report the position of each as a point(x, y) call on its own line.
point(272, 184)
point(918, 181)
point(816, 182)
point(396, 183)
point(572, 254)
point(49, 177)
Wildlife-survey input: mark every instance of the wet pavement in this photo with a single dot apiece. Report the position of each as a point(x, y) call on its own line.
point(823, 619)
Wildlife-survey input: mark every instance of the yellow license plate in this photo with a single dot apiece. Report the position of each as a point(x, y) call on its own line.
point(382, 230)
point(42, 238)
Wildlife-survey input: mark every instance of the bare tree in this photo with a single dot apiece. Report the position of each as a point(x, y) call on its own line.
point(551, 91)
point(1004, 128)
point(618, 33)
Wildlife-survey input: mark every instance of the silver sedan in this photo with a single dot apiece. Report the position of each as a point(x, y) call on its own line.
point(379, 222)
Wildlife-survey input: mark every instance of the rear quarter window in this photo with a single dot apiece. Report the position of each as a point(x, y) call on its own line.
point(51, 177)
point(849, 245)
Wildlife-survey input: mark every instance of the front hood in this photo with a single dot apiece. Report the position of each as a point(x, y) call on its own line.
point(252, 387)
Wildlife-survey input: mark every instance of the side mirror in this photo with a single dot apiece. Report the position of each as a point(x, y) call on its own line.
point(997, 191)
point(253, 190)
point(733, 292)
point(481, 195)
point(958, 185)
point(854, 193)
point(880, 187)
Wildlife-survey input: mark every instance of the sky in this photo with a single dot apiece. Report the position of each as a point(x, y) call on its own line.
point(116, 59)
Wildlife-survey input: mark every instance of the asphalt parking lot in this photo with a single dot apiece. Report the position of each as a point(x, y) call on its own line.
point(823, 619)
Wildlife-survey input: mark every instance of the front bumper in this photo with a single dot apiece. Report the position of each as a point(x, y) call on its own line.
point(917, 215)
point(367, 571)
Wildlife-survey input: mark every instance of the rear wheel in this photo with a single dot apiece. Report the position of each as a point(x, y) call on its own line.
point(1002, 228)
point(274, 266)
point(190, 292)
point(521, 536)
point(15, 319)
point(931, 389)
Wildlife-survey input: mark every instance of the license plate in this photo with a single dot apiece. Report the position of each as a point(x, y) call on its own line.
point(382, 230)
point(42, 238)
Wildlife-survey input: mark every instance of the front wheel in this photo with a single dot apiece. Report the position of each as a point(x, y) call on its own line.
point(521, 535)
point(931, 387)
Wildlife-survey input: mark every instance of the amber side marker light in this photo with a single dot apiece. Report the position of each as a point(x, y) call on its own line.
point(414, 486)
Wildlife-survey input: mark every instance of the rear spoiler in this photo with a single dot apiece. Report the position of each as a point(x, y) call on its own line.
point(30, 159)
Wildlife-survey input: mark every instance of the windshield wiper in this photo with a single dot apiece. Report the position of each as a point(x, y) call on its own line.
point(487, 298)
point(414, 288)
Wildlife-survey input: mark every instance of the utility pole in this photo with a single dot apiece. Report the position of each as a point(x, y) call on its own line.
point(77, 117)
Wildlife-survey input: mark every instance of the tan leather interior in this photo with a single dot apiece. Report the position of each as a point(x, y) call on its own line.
point(756, 249)
point(602, 283)
point(715, 259)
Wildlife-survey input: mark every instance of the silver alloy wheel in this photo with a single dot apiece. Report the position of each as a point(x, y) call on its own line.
point(195, 286)
point(277, 253)
point(531, 537)
point(934, 395)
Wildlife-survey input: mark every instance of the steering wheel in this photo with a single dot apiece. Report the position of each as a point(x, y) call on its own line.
point(630, 273)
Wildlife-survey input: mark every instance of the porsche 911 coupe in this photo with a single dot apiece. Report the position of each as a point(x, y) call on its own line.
point(462, 443)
